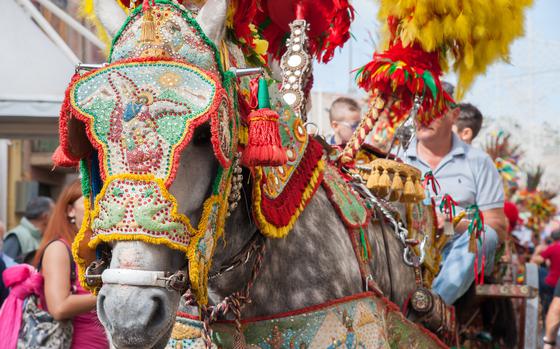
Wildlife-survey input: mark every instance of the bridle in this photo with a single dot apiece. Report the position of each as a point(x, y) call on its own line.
point(98, 273)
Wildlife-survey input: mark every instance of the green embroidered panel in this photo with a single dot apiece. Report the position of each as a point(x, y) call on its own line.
point(141, 112)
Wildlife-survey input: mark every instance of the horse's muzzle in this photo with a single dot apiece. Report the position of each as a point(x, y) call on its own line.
point(136, 316)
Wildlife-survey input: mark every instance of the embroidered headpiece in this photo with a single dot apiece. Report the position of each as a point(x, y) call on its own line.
point(164, 80)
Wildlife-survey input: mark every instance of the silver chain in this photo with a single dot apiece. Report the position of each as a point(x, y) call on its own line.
point(389, 213)
point(236, 185)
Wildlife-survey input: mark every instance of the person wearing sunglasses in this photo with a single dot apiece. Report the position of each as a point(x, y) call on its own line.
point(344, 115)
point(470, 177)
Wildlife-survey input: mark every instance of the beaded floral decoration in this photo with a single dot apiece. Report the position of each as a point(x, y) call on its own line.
point(359, 321)
point(139, 113)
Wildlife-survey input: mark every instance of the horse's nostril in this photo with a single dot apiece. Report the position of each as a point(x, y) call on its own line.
point(157, 311)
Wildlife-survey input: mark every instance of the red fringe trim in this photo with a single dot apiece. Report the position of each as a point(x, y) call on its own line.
point(279, 211)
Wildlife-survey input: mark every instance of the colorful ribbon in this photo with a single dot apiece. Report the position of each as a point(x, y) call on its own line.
point(447, 206)
point(430, 180)
point(476, 225)
point(476, 231)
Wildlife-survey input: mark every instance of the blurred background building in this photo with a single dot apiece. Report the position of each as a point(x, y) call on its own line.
point(41, 44)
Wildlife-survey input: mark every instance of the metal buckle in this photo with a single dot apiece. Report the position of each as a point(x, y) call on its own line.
point(177, 282)
point(94, 271)
point(89, 67)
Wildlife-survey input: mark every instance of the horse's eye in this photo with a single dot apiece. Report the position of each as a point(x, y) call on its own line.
point(202, 135)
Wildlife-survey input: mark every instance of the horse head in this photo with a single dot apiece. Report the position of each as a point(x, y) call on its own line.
point(158, 171)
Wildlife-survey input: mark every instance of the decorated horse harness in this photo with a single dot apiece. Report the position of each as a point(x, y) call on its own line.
point(127, 123)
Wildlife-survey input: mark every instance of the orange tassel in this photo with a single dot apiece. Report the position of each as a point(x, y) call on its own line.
point(264, 146)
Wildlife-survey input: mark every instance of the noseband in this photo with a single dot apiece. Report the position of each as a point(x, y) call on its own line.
point(98, 273)
point(179, 281)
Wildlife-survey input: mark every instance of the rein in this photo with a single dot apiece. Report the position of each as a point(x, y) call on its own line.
point(235, 302)
point(242, 257)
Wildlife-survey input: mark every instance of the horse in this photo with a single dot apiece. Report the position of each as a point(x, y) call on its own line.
point(313, 264)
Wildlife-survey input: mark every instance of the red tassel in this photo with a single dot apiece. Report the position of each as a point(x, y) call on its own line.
point(60, 159)
point(264, 147)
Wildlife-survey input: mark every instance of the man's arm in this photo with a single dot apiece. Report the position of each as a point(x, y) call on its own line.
point(12, 247)
point(490, 196)
point(494, 217)
point(541, 254)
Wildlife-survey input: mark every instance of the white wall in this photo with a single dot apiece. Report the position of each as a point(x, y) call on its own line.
point(4, 179)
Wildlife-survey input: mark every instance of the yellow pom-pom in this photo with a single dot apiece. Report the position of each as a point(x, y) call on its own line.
point(470, 34)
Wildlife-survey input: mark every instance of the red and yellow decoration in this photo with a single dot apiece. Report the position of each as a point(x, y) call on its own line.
point(423, 38)
point(279, 200)
point(329, 24)
point(466, 34)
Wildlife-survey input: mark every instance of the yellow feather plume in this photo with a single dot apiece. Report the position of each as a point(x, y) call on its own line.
point(472, 34)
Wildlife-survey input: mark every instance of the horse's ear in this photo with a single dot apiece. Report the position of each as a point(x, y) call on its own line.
point(212, 19)
point(110, 14)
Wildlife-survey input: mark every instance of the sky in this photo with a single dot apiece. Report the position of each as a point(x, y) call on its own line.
point(528, 88)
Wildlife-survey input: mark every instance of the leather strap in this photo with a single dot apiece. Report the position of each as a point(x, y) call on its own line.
point(72, 264)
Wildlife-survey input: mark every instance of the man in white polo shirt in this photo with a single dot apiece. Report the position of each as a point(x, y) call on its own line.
point(469, 176)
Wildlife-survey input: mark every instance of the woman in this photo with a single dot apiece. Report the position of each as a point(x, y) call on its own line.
point(66, 299)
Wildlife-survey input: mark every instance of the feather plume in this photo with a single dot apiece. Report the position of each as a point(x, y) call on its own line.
point(469, 33)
